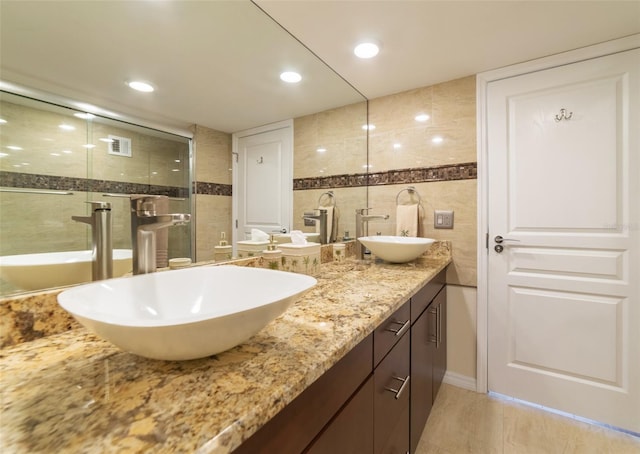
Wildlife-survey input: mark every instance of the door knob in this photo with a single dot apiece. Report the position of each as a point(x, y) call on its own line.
point(499, 248)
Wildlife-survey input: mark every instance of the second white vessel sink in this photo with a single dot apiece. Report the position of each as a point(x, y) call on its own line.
point(184, 314)
point(396, 249)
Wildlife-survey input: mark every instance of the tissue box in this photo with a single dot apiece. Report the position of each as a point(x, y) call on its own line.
point(300, 258)
point(250, 248)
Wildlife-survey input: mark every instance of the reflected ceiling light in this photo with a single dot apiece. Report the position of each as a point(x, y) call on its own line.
point(4, 155)
point(66, 127)
point(290, 77)
point(54, 154)
point(175, 170)
point(366, 50)
point(14, 148)
point(422, 117)
point(141, 86)
point(397, 146)
point(2, 121)
point(106, 139)
point(84, 115)
point(89, 146)
point(321, 150)
point(369, 127)
point(67, 151)
point(437, 139)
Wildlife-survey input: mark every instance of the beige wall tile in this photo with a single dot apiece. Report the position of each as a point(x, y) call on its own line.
point(399, 141)
point(338, 131)
point(459, 196)
point(213, 216)
point(212, 151)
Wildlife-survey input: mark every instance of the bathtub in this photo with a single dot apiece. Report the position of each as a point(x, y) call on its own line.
point(56, 269)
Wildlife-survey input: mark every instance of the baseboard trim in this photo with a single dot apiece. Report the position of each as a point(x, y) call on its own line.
point(459, 380)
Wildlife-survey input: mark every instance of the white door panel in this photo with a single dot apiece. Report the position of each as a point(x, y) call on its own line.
point(263, 180)
point(564, 291)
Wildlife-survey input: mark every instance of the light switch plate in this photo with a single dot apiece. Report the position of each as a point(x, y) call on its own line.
point(442, 219)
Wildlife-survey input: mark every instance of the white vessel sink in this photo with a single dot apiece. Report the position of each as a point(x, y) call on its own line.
point(396, 249)
point(56, 269)
point(184, 314)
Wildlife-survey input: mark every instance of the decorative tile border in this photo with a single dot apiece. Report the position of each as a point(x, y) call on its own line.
point(203, 188)
point(58, 183)
point(464, 171)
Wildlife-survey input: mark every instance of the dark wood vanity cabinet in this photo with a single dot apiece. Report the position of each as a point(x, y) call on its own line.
point(378, 397)
point(428, 353)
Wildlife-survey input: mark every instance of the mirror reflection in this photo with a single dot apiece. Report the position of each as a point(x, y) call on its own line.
point(55, 160)
point(53, 171)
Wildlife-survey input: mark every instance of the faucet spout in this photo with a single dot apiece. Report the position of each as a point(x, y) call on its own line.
point(145, 223)
point(322, 219)
point(101, 239)
point(361, 228)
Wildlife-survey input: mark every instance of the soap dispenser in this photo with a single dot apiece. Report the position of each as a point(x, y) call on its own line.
point(272, 254)
point(224, 250)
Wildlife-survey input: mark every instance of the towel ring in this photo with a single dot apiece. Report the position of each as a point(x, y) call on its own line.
point(411, 190)
point(332, 199)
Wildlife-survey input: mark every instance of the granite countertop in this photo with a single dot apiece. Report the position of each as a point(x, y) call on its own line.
point(73, 392)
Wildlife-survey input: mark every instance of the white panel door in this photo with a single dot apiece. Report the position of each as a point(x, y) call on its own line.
point(564, 193)
point(263, 185)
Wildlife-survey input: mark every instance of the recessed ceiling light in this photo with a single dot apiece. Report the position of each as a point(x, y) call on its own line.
point(366, 50)
point(437, 139)
point(141, 86)
point(397, 146)
point(290, 77)
point(422, 117)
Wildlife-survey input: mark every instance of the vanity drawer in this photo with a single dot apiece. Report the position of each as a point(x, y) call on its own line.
point(390, 331)
point(391, 400)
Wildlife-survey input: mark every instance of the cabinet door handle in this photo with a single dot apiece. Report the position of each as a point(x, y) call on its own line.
point(398, 392)
point(400, 331)
point(433, 338)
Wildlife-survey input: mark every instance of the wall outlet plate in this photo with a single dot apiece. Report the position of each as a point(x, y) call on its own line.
point(442, 219)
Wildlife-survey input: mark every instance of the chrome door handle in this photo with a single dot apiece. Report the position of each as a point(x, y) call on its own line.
point(400, 331)
point(499, 239)
point(398, 392)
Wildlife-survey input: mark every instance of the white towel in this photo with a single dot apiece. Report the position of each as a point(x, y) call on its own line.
point(407, 220)
point(329, 210)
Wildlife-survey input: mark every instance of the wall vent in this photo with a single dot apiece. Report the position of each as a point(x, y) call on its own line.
point(119, 146)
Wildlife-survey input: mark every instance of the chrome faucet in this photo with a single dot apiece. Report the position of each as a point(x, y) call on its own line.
point(101, 242)
point(322, 219)
point(361, 218)
point(145, 222)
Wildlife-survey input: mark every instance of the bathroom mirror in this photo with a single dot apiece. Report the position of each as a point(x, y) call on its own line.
point(329, 115)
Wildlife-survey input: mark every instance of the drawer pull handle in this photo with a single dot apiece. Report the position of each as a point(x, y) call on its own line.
point(400, 331)
point(398, 392)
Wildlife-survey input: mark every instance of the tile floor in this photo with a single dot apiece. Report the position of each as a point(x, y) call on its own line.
point(463, 421)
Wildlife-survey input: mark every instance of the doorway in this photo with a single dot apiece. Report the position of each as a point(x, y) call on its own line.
point(559, 296)
point(262, 180)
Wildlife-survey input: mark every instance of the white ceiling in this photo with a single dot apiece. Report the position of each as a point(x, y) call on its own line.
point(216, 63)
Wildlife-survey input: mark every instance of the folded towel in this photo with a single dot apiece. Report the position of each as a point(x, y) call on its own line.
point(297, 237)
point(259, 235)
point(407, 220)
